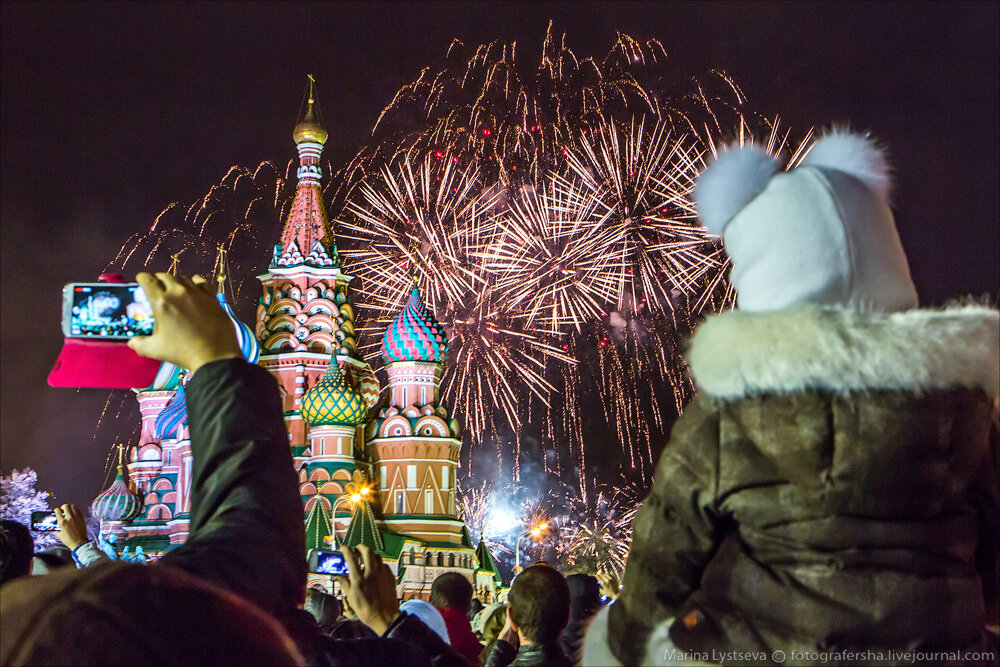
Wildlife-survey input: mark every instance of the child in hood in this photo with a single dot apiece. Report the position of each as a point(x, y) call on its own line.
point(833, 487)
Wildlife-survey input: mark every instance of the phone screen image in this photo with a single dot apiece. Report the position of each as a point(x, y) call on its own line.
point(106, 310)
point(331, 563)
point(44, 522)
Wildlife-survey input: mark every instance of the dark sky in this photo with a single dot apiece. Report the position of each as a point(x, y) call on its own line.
point(112, 111)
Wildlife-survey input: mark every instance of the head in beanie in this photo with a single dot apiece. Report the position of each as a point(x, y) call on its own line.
point(819, 234)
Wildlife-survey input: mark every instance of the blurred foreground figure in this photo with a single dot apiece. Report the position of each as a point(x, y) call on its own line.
point(16, 549)
point(245, 524)
point(833, 487)
point(122, 614)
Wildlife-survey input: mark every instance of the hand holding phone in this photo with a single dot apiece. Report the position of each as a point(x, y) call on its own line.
point(72, 525)
point(192, 329)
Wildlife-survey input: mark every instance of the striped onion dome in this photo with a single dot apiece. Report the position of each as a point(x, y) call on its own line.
point(172, 419)
point(332, 401)
point(415, 335)
point(168, 378)
point(117, 502)
point(244, 334)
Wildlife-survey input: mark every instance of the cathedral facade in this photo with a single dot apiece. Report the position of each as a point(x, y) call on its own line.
point(375, 466)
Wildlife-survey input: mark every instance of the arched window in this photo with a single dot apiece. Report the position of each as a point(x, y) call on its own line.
point(451, 560)
point(440, 559)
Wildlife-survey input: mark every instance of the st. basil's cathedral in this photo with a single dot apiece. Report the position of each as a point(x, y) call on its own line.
point(372, 470)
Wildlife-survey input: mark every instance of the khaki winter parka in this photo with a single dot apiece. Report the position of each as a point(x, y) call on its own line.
point(833, 487)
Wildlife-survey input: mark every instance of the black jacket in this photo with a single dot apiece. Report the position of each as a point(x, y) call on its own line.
point(536, 655)
point(247, 532)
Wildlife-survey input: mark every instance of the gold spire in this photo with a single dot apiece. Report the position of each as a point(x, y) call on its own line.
point(220, 269)
point(121, 451)
point(413, 263)
point(309, 128)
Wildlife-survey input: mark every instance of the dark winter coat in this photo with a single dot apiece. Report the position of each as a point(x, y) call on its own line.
point(833, 487)
point(247, 532)
point(536, 655)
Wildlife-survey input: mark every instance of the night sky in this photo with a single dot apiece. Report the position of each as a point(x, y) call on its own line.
point(111, 112)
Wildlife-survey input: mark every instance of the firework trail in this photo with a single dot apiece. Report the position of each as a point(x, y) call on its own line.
point(434, 219)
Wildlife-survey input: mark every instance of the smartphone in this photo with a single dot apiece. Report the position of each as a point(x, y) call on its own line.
point(328, 562)
point(44, 522)
point(108, 311)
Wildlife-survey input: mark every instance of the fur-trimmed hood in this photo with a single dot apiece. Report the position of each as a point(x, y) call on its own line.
point(737, 354)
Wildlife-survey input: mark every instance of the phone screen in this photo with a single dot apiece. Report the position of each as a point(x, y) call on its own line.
point(44, 522)
point(331, 563)
point(106, 310)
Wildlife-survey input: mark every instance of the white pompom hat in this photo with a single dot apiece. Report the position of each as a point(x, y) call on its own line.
point(821, 233)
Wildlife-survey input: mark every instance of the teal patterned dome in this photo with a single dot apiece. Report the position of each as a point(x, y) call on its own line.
point(117, 502)
point(415, 335)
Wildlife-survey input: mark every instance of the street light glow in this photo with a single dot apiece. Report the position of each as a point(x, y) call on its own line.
point(356, 497)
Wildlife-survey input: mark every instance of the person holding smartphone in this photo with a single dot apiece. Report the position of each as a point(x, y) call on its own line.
point(232, 594)
point(243, 565)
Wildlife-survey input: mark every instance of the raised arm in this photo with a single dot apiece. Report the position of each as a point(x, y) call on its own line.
point(247, 532)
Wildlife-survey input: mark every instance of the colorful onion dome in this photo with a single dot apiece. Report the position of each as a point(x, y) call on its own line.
point(332, 401)
point(173, 418)
point(367, 387)
point(244, 334)
point(168, 378)
point(415, 335)
point(117, 502)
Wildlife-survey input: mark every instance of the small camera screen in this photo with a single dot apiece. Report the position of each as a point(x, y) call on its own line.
point(44, 522)
point(110, 311)
point(331, 563)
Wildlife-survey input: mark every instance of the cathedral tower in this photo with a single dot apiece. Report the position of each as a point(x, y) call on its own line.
point(305, 323)
point(413, 443)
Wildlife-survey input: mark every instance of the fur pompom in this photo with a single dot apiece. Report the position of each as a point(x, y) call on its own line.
point(853, 154)
point(731, 182)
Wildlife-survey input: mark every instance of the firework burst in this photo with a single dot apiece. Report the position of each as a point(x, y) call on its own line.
point(547, 213)
point(595, 531)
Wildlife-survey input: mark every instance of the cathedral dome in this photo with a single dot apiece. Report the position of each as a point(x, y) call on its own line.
point(169, 424)
point(117, 502)
point(168, 378)
point(244, 334)
point(310, 128)
point(415, 335)
point(332, 401)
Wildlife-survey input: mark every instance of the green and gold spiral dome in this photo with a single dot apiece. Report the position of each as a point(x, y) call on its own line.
point(331, 401)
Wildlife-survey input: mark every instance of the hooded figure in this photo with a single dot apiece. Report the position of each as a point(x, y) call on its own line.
point(429, 614)
point(833, 487)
